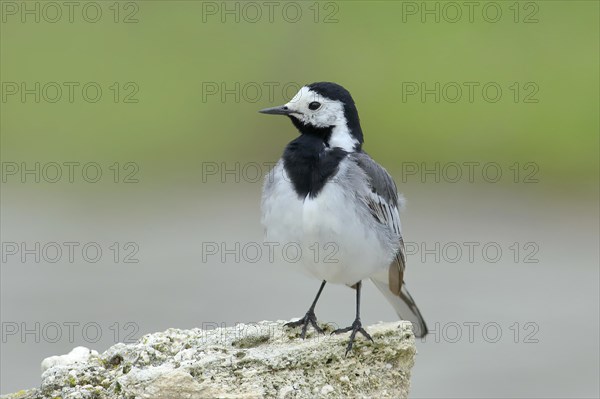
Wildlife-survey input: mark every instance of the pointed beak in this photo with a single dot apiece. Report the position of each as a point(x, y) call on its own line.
point(281, 110)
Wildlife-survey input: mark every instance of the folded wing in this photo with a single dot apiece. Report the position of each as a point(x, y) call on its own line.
point(382, 201)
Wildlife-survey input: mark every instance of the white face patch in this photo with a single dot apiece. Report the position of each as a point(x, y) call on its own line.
point(328, 113)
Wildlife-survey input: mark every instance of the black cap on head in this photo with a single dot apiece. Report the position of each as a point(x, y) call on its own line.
point(334, 91)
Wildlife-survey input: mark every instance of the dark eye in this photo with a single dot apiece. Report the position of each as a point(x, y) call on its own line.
point(314, 105)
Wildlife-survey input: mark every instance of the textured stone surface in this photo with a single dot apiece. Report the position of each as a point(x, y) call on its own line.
point(247, 361)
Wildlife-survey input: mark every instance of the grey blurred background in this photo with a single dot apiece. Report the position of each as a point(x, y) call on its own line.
point(180, 148)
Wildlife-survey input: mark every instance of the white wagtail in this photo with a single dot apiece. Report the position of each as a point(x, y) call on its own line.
point(326, 190)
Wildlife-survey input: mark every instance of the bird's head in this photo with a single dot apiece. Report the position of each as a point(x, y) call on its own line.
point(326, 110)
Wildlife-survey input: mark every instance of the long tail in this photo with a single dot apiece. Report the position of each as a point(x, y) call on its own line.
point(405, 306)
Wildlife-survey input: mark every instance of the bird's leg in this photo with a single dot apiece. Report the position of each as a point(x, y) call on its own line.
point(309, 317)
point(356, 327)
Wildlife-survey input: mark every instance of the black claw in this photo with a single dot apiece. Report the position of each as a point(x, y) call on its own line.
point(356, 327)
point(309, 318)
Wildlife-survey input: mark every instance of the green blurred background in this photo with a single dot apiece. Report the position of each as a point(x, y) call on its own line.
point(178, 49)
point(170, 52)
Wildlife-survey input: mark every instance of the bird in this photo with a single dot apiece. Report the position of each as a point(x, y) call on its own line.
point(325, 190)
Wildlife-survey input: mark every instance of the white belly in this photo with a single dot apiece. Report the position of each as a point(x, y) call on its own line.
point(327, 233)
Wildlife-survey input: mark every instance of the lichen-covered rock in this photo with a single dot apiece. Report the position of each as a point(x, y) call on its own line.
point(78, 354)
point(258, 360)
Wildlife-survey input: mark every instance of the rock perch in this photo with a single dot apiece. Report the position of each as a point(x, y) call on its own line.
point(257, 360)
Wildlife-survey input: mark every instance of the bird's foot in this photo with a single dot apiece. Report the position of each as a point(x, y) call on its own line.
point(356, 327)
point(309, 318)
